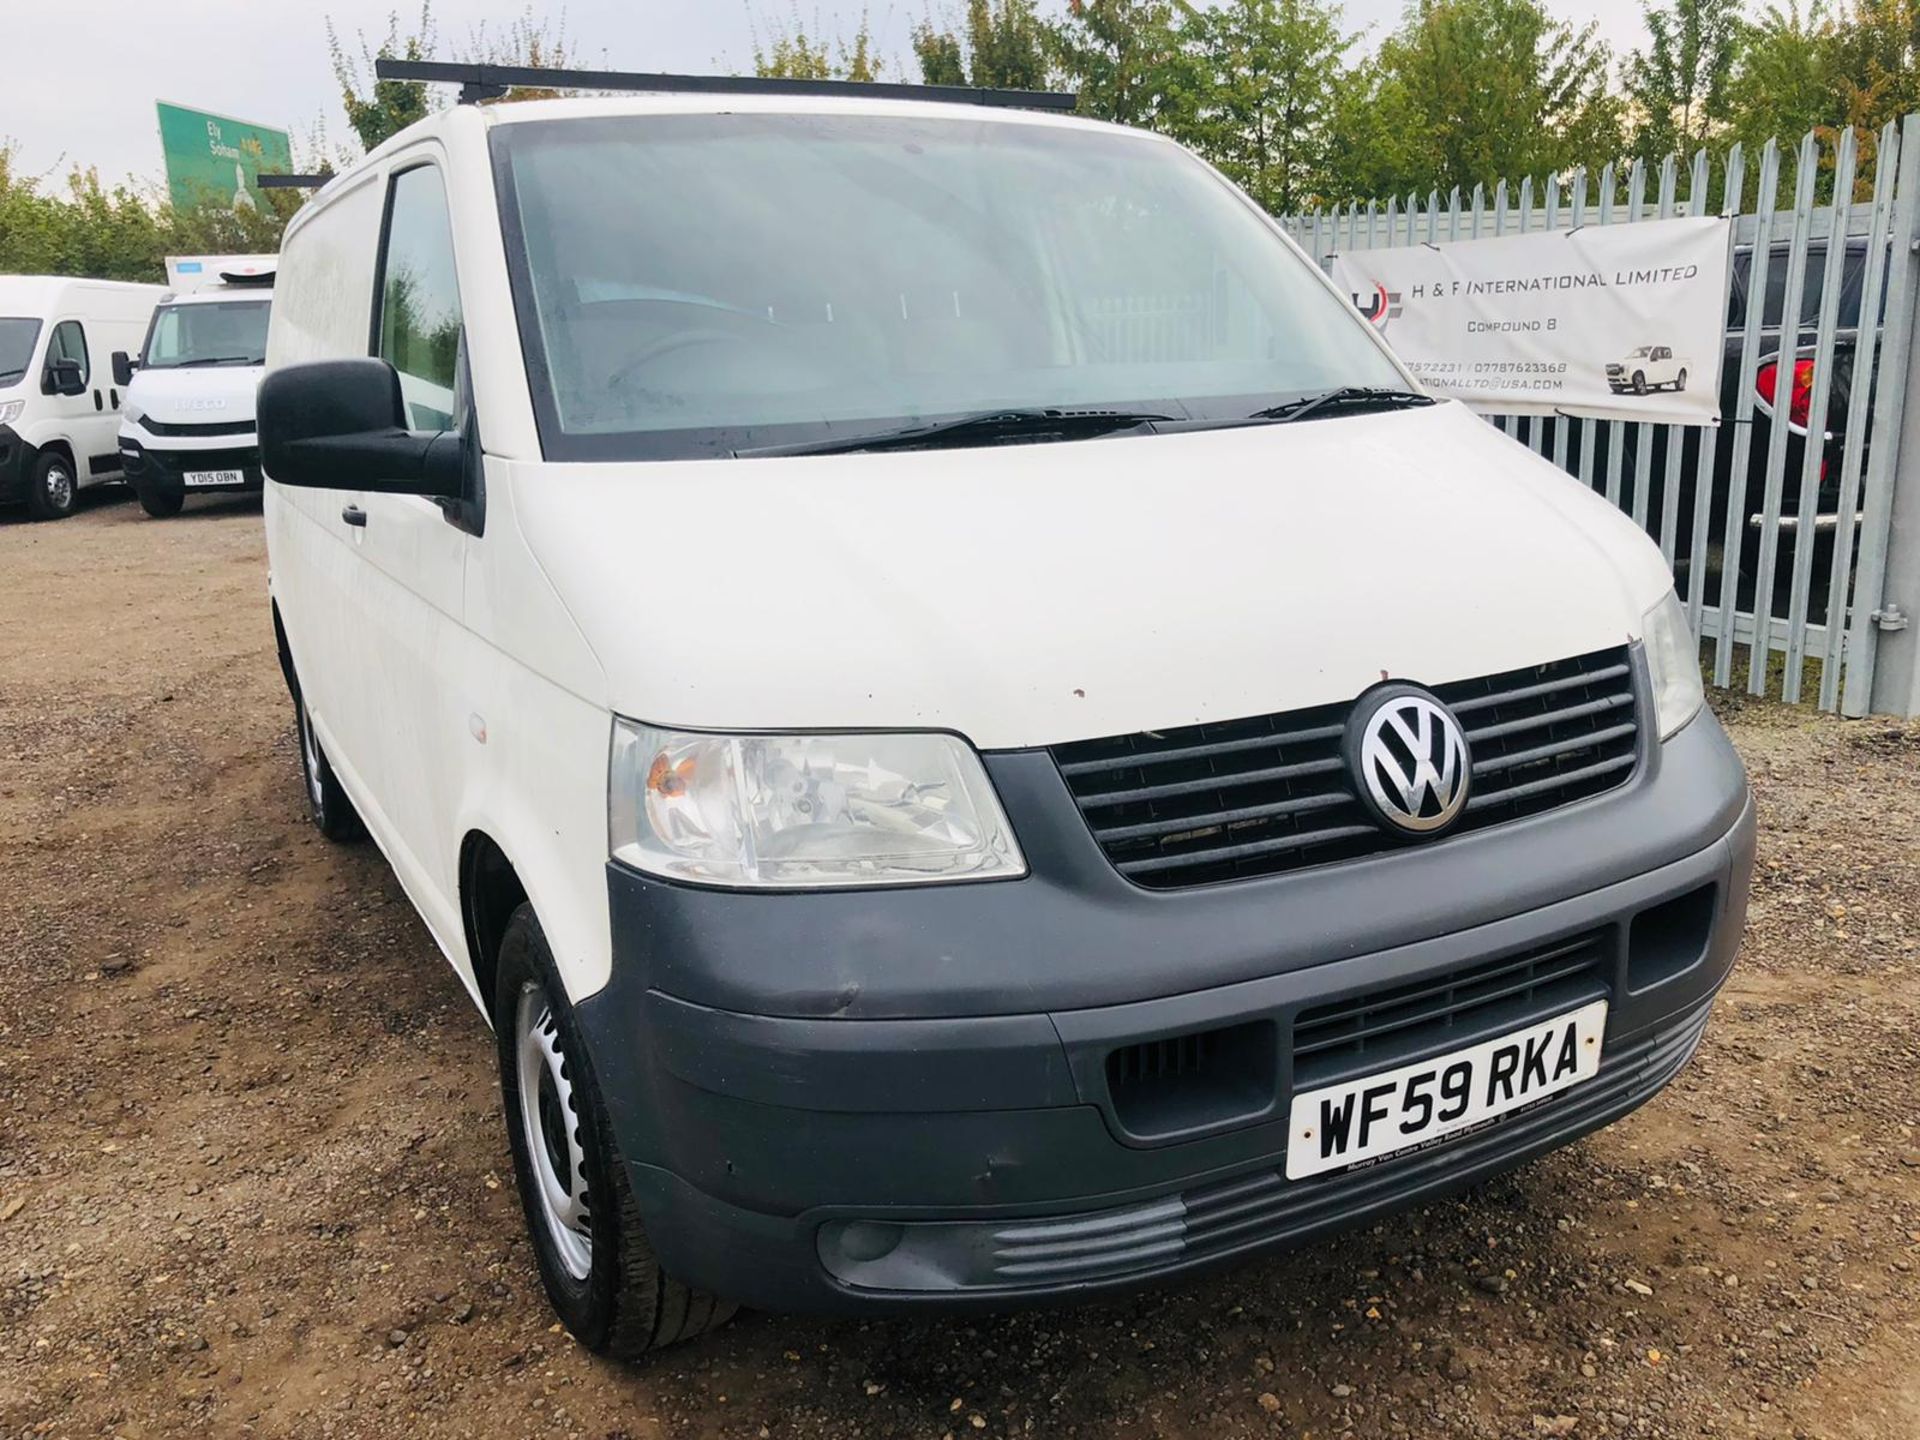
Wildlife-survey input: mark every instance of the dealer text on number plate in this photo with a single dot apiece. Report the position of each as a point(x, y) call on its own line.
point(1408, 1108)
point(197, 478)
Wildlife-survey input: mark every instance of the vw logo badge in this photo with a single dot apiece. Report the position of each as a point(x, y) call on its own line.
point(1409, 760)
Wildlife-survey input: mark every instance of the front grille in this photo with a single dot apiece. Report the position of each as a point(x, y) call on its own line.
point(224, 427)
point(1380, 1029)
point(1240, 798)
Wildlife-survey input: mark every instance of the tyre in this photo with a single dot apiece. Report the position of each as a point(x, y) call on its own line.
point(51, 486)
point(160, 504)
point(333, 813)
point(1639, 382)
point(1680, 381)
point(595, 1261)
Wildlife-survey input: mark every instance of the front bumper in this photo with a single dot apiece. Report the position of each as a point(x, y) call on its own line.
point(154, 468)
point(16, 465)
point(917, 1107)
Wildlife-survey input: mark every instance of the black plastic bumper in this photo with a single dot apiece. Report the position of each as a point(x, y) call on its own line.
point(163, 470)
point(801, 1082)
point(16, 465)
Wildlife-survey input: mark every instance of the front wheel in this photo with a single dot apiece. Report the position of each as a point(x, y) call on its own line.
point(160, 504)
point(1639, 382)
point(595, 1261)
point(1680, 381)
point(51, 487)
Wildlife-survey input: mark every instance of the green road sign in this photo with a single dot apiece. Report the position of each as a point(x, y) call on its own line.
point(216, 160)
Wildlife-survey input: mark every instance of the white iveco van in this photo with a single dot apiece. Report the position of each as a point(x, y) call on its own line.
point(972, 732)
point(189, 426)
point(59, 408)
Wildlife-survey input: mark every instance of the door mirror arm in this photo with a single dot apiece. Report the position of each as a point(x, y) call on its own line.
point(468, 510)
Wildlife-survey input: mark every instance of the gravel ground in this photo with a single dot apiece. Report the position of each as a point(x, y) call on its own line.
point(253, 1180)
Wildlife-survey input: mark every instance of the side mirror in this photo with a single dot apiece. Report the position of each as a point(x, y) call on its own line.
point(341, 425)
point(64, 377)
point(122, 369)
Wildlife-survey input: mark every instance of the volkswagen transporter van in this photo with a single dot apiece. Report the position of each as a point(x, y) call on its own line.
point(59, 406)
point(973, 733)
point(189, 425)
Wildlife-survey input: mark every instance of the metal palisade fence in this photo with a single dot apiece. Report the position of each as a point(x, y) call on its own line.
point(1780, 535)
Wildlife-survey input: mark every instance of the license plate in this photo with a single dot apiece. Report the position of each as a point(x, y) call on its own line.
point(198, 478)
point(1417, 1105)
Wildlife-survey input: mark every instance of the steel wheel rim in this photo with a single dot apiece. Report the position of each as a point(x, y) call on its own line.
point(310, 758)
point(59, 487)
point(550, 1126)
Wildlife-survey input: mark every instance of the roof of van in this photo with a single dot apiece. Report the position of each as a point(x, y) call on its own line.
point(522, 112)
point(688, 103)
point(35, 294)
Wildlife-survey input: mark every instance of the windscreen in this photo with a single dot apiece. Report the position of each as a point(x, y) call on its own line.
point(17, 335)
point(689, 285)
point(227, 332)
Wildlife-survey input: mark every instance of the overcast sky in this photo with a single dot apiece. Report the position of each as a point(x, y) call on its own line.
point(266, 60)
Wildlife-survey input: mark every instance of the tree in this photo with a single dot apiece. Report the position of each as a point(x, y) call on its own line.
point(1679, 83)
point(1260, 106)
point(1470, 91)
point(378, 109)
point(83, 227)
point(1123, 57)
point(796, 53)
point(1002, 45)
point(1784, 84)
point(1872, 60)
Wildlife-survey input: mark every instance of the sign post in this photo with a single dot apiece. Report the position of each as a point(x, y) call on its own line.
point(217, 160)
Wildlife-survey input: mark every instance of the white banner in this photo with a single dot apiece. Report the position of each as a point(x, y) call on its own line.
point(1622, 322)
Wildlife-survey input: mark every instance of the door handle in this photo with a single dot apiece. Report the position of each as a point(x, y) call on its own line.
point(113, 396)
point(354, 515)
point(98, 403)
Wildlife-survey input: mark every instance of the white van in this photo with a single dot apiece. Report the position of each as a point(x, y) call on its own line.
point(59, 407)
point(189, 426)
point(973, 733)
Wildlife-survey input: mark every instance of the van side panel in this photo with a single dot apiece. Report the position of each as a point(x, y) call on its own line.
point(321, 311)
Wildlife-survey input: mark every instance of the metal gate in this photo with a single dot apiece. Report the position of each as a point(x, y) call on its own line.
point(1780, 532)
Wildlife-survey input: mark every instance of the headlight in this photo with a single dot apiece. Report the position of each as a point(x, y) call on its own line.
point(1673, 656)
point(132, 412)
point(10, 410)
point(799, 811)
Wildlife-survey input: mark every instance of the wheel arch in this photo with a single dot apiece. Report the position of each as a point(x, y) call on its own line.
point(490, 891)
point(59, 445)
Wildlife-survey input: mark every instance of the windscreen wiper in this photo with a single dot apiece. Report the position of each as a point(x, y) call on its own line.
point(216, 360)
point(1344, 397)
point(987, 425)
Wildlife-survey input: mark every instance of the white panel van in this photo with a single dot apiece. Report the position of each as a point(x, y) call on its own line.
point(974, 734)
point(59, 403)
point(189, 425)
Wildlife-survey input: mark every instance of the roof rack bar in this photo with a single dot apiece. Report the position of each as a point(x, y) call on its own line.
point(293, 182)
point(490, 82)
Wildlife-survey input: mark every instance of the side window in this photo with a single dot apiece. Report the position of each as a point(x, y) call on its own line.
point(420, 297)
point(69, 342)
